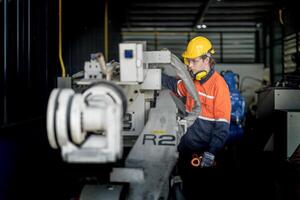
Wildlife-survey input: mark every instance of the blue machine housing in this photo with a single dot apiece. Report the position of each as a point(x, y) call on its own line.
point(237, 106)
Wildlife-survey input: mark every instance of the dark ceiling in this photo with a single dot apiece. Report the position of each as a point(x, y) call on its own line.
point(192, 13)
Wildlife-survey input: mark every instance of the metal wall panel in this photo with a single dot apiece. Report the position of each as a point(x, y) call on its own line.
point(230, 47)
point(289, 46)
point(29, 59)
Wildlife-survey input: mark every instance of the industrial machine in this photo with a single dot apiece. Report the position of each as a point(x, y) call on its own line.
point(237, 106)
point(278, 111)
point(114, 102)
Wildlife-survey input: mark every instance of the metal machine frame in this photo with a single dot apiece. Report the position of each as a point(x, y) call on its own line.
point(153, 119)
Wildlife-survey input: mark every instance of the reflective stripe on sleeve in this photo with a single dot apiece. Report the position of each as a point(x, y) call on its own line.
point(205, 95)
point(212, 119)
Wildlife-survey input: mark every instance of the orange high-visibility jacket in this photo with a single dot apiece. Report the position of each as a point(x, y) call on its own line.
point(211, 129)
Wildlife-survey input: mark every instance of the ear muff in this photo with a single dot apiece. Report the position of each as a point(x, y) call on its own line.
point(200, 75)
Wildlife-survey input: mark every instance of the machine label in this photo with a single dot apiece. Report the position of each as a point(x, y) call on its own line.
point(158, 132)
point(164, 140)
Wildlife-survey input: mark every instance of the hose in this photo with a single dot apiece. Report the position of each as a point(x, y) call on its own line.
point(63, 69)
point(186, 78)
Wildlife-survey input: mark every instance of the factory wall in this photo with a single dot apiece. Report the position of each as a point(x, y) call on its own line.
point(83, 32)
point(29, 61)
point(27, 75)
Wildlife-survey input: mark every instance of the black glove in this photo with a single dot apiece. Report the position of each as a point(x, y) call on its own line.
point(207, 159)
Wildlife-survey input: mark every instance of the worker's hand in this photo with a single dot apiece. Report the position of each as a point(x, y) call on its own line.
point(207, 159)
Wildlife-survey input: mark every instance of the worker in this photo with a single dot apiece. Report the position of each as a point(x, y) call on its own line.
point(206, 137)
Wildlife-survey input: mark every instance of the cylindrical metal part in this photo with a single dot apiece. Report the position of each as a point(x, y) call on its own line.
point(94, 119)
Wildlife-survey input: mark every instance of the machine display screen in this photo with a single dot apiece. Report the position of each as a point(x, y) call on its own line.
point(128, 53)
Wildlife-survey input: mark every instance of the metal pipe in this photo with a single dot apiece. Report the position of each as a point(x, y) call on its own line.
point(108, 71)
point(106, 30)
point(5, 20)
point(46, 45)
point(23, 41)
point(201, 13)
point(101, 61)
point(18, 39)
point(28, 42)
point(63, 69)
